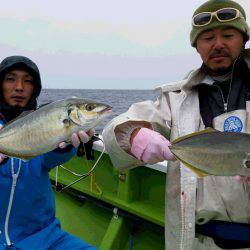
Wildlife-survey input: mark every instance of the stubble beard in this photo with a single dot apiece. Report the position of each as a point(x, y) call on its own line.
point(220, 71)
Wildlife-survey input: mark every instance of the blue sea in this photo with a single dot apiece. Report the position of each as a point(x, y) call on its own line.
point(120, 100)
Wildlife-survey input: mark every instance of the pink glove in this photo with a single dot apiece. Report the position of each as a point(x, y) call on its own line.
point(151, 147)
point(76, 138)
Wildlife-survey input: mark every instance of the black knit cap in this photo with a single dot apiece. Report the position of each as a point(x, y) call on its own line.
point(214, 5)
point(22, 63)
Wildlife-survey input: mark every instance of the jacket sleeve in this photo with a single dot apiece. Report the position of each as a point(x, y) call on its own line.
point(58, 156)
point(116, 134)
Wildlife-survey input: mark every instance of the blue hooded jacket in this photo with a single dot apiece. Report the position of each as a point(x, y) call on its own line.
point(33, 208)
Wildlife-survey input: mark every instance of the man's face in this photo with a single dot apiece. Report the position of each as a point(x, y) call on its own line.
point(17, 88)
point(219, 48)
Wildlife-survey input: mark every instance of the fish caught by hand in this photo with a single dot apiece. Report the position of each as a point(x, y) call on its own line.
point(42, 130)
point(211, 152)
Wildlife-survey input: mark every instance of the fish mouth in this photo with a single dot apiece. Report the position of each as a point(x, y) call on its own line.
point(107, 110)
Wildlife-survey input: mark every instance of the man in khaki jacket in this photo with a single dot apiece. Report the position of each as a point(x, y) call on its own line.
point(212, 212)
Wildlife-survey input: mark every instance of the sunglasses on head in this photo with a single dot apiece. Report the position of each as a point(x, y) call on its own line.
point(223, 15)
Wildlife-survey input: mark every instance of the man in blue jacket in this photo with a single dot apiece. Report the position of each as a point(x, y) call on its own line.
point(27, 205)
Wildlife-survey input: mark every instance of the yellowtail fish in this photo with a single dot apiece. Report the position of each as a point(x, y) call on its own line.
point(211, 152)
point(42, 130)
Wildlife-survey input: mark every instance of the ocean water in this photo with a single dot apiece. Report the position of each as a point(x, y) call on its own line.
point(119, 100)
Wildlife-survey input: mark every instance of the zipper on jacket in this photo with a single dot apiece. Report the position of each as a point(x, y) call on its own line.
point(13, 186)
point(225, 102)
point(223, 98)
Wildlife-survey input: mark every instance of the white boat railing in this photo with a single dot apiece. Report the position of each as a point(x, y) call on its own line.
point(161, 166)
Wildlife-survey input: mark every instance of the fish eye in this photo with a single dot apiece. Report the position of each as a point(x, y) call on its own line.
point(90, 107)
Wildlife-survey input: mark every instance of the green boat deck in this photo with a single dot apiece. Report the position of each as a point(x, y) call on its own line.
point(112, 210)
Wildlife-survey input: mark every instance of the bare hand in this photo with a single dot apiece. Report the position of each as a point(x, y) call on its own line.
point(76, 138)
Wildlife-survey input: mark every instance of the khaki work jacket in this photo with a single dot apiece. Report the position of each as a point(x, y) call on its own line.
point(188, 200)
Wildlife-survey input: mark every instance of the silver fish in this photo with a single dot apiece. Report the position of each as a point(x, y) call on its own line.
point(211, 152)
point(42, 130)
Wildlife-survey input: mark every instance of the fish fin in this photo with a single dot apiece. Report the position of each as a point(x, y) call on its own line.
point(44, 104)
point(23, 114)
point(198, 172)
point(205, 131)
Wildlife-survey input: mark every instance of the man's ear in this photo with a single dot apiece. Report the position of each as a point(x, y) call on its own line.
point(244, 44)
point(245, 40)
point(195, 46)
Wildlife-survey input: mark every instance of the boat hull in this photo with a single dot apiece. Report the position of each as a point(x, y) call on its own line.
point(112, 210)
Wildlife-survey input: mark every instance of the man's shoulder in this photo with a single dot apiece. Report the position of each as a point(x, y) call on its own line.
point(170, 87)
point(175, 86)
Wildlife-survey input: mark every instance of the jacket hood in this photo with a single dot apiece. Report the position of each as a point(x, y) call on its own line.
point(23, 63)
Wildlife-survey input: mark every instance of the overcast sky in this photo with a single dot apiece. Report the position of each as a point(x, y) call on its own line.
point(111, 44)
